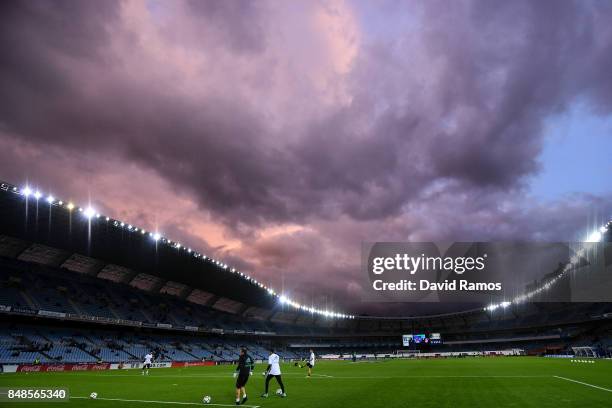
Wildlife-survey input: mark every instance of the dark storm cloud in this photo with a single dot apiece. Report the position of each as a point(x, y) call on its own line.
point(495, 82)
point(271, 114)
point(32, 35)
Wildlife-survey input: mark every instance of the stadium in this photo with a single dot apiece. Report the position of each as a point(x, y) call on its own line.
point(84, 297)
point(306, 203)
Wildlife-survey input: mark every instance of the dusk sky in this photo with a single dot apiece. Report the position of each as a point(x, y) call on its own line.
point(278, 136)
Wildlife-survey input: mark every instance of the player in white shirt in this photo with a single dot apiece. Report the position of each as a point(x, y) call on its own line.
point(147, 364)
point(311, 362)
point(273, 371)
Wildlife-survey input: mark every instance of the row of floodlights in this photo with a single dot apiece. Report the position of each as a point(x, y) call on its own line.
point(90, 213)
point(595, 236)
point(327, 313)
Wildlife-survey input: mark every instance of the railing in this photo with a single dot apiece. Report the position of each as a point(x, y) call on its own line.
point(123, 322)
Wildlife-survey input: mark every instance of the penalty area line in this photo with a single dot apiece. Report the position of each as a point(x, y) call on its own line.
point(163, 402)
point(583, 383)
point(321, 377)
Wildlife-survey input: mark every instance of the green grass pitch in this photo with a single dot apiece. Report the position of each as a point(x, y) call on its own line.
point(470, 382)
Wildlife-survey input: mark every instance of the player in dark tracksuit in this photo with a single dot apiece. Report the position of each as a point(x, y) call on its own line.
point(243, 371)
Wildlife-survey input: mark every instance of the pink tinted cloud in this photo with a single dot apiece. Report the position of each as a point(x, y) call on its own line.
point(281, 135)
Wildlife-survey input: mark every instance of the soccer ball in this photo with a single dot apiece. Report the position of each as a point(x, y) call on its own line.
point(279, 392)
point(206, 399)
point(93, 395)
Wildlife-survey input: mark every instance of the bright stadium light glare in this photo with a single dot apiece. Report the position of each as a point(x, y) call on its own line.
point(50, 199)
point(594, 237)
point(156, 236)
point(26, 191)
point(70, 206)
point(89, 213)
point(37, 195)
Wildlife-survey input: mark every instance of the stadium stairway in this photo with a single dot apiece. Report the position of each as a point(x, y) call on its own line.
point(75, 307)
point(114, 312)
point(146, 315)
point(28, 299)
point(84, 350)
point(174, 320)
point(191, 354)
point(46, 354)
point(131, 354)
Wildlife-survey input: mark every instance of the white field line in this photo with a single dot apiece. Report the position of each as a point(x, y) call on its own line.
point(426, 376)
point(164, 402)
point(583, 383)
point(317, 376)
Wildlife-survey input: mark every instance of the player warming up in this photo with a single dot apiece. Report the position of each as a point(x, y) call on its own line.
point(273, 371)
point(242, 373)
point(147, 364)
point(311, 362)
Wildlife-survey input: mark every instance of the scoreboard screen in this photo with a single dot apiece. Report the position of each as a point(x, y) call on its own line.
point(406, 339)
point(435, 338)
point(420, 338)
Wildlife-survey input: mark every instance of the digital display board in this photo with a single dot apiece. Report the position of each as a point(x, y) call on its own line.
point(421, 338)
point(406, 339)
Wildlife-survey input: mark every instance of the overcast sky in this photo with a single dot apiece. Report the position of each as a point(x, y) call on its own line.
point(280, 135)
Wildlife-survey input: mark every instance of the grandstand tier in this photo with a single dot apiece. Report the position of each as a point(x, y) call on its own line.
point(75, 291)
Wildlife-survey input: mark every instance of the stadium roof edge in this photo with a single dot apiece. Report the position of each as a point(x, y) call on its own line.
point(53, 222)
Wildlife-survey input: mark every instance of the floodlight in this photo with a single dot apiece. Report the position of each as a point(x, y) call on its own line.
point(89, 213)
point(594, 237)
